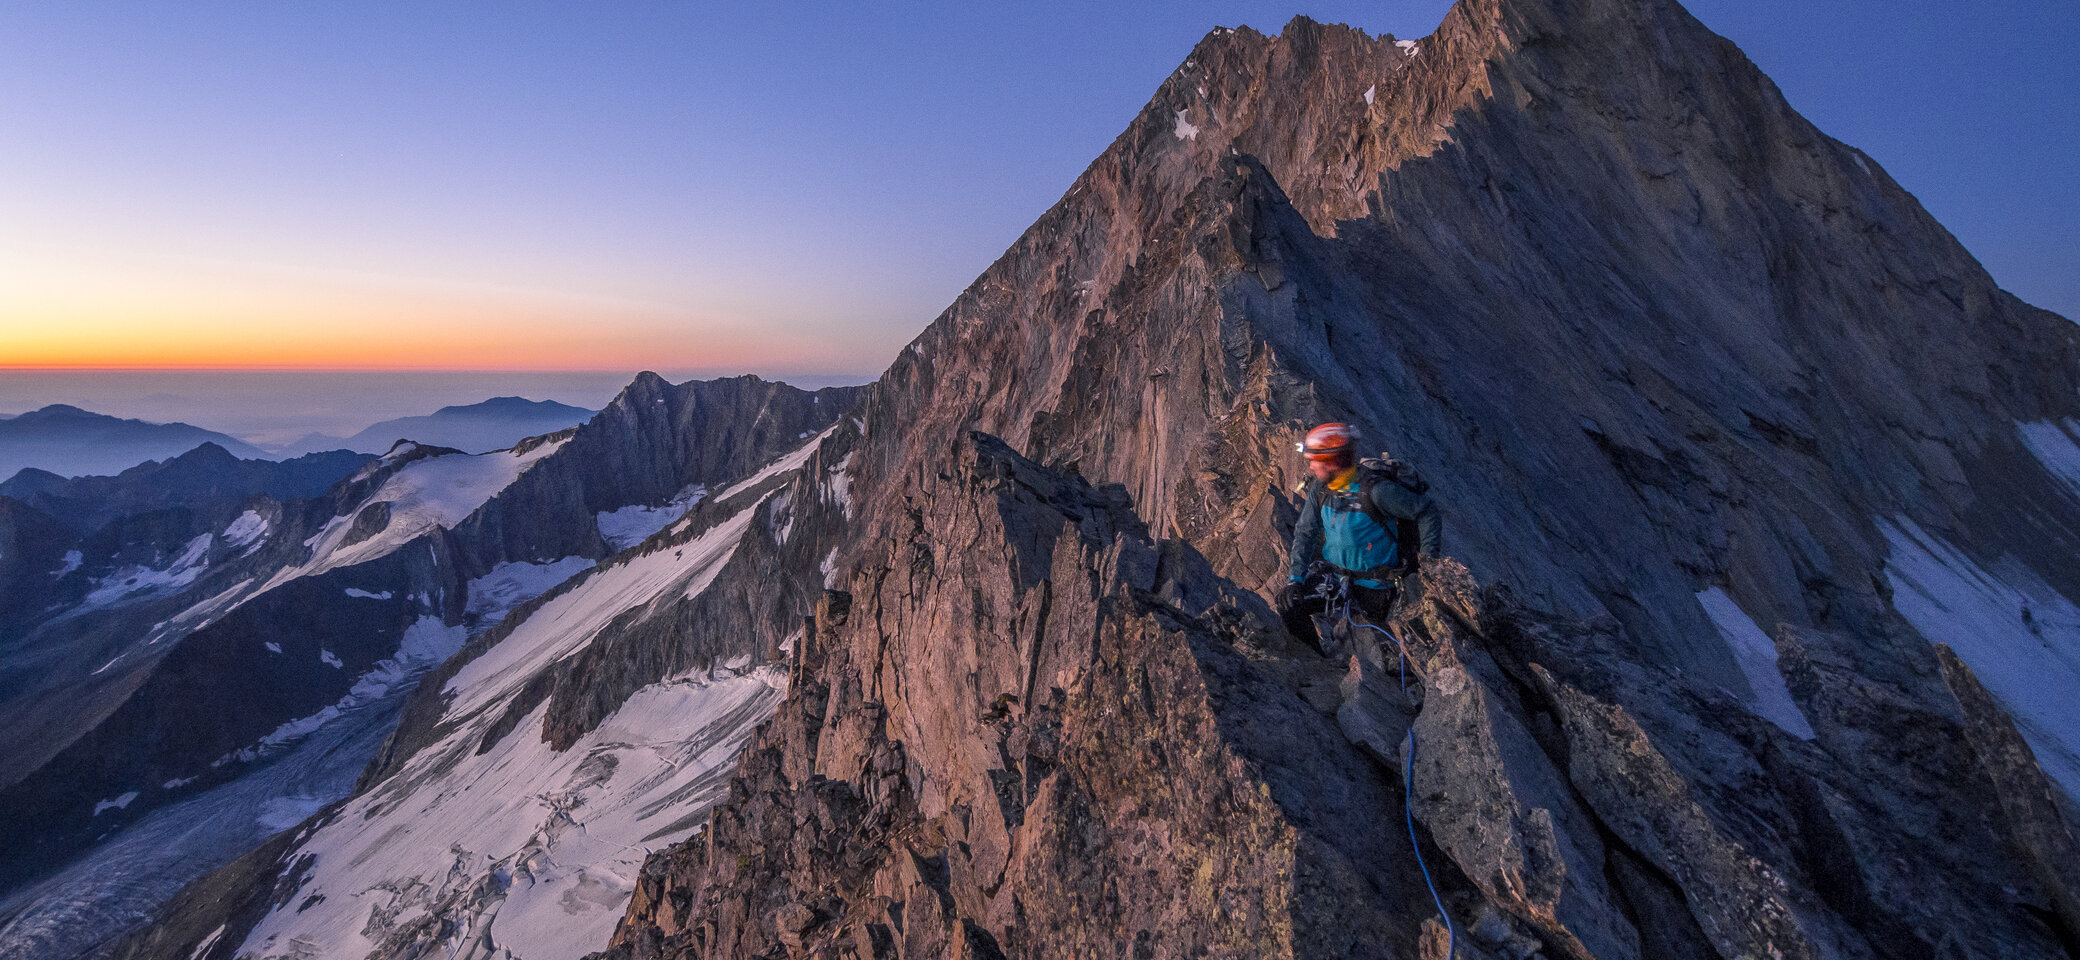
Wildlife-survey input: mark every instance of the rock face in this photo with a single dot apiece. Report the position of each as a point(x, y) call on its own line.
point(648, 446)
point(1729, 434)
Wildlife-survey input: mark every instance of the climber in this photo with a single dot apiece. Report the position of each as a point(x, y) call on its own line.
point(1363, 524)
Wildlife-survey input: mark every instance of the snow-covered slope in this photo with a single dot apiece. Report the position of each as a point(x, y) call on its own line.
point(307, 623)
point(490, 843)
point(439, 491)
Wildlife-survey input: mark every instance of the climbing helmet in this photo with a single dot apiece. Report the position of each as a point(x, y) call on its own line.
point(1330, 441)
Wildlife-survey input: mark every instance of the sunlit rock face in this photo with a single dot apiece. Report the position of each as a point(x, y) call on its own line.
point(1738, 448)
point(1761, 502)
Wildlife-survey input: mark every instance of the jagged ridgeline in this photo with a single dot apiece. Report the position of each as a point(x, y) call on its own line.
point(1754, 640)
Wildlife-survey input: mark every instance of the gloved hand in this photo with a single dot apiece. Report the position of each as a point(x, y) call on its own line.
point(1283, 599)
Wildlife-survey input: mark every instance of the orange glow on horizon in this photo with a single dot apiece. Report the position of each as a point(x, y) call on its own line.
point(466, 344)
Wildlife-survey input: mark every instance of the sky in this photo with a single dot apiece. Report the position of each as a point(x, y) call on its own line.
point(788, 189)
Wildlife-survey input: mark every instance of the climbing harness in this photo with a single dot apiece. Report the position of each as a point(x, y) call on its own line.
point(1340, 595)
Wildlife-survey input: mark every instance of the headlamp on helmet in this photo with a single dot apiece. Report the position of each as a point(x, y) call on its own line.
point(1330, 441)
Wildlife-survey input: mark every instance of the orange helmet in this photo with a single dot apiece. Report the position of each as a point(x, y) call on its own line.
point(1331, 441)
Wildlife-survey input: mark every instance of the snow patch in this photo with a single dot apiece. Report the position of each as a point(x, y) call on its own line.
point(1408, 47)
point(628, 526)
point(424, 645)
point(2054, 448)
point(202, 949)
point(792, 460)
point(2017, 633)
point(436, 492)
point(116, 804)
point(246, 530)
point(178, 782)
point(838, 488)
point(1369, 91)
point(829, 566)
point(1184, 129)
point(513, 583)
point(272, 647)
point(132, 580)
point(1757, 656)
point(361, 594)
point(73, 559)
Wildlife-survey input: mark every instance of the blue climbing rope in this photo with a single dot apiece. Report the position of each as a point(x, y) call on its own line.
point(1408, 775)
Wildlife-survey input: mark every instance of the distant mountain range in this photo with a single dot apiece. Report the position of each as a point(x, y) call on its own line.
point(206, 473)
point(67, 441)
point(71, 442)
point(494, 424)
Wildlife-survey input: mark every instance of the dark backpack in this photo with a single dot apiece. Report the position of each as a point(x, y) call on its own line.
point(1408, 538)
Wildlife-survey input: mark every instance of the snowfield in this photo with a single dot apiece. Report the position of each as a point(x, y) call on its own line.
point(248, 531)
point(522, 851)
point(793, 460)
point(2020, 636)
point(512, 583)
point(137, 582)
point(628, 526)
point(434, 492)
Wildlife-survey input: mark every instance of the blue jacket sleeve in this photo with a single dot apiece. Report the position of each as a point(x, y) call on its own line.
point(1306, 547)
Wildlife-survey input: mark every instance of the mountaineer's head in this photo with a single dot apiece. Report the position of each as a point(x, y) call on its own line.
point(1330, 448)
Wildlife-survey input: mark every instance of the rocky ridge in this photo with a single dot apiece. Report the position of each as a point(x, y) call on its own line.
point(1684, 373)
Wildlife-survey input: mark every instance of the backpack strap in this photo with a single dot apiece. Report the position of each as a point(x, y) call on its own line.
point(1407, 539)
point(1367, 479)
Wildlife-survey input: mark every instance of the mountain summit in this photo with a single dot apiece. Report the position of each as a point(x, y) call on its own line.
point(1751, 641)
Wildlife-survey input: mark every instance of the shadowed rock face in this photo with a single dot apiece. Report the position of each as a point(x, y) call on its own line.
point(1649, 334)
point(645, 448)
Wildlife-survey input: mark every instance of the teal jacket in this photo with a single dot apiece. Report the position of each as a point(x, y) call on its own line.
point(1334, 527)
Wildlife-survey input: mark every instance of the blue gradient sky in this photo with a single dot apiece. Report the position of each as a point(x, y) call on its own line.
point(789, 189)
